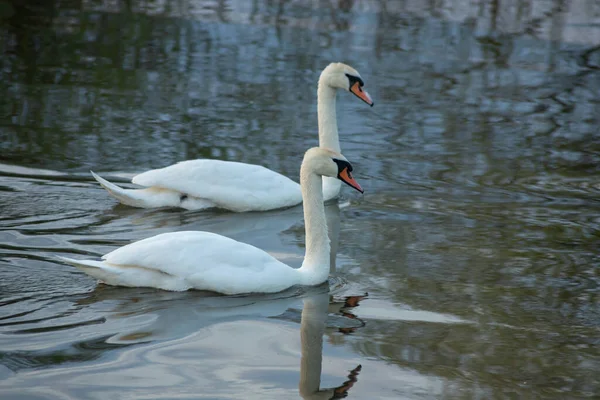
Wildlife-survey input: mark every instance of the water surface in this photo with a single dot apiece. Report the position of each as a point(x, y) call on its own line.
point(476, 240)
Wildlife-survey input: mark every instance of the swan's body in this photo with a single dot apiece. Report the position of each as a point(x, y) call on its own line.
point(190, 259)
point(202, 184)
point(207, 261)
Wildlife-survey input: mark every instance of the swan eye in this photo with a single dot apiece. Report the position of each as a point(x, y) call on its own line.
point(342, 164)
point(353, 79)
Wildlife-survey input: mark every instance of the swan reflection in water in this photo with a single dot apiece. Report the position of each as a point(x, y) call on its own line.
point(312, 329)
point(190, 318)
point(187, 316)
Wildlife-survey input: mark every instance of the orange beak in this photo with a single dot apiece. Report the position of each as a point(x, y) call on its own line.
point(347, 178)
point(361, 94)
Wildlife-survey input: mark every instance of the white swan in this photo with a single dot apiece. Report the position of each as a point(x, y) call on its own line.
point(240, 187)
point(207, 261)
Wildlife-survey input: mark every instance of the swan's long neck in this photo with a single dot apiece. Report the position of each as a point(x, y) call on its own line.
point(315, 268)
point(327, 118)
point(328, 130)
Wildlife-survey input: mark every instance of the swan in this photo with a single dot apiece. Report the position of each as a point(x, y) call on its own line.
point(185, 260)
point(239, 187)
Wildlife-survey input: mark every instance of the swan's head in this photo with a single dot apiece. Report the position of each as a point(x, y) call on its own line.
point(342, 76)
point(325, 162)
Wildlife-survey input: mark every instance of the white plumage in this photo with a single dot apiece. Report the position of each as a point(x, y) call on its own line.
point(202, 184)
point(247, 186)
point(184, 260)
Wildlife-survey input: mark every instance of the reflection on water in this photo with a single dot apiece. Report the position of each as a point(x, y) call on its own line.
point(186, 335)
point(314, 316)
point(476, 239)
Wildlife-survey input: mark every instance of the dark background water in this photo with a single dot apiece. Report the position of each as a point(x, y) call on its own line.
point(477, 238)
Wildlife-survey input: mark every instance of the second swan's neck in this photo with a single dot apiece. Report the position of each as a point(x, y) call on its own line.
point(328, 131)
point(315, 267)
point(327, 118)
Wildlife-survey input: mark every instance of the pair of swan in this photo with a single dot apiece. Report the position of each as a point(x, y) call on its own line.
point(207, 261)
point(201, 260)
point(240, 187)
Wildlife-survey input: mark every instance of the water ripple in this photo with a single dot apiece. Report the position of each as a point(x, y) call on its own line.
point(468, 269)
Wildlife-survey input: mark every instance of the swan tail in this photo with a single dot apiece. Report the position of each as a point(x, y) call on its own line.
point(82, 263)
point(129, 276)
point(142, 198)
point(96, 269)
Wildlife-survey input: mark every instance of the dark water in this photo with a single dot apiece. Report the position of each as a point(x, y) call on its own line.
point(477, 238)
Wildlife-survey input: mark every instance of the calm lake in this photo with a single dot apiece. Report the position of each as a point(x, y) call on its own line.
point(469, 269)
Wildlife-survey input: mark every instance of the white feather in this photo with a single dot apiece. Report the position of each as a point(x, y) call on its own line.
point(230, 185)
point(190, 259)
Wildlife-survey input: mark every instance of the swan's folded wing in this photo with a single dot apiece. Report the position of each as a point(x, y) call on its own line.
point(207, 261)
point(232, 185)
